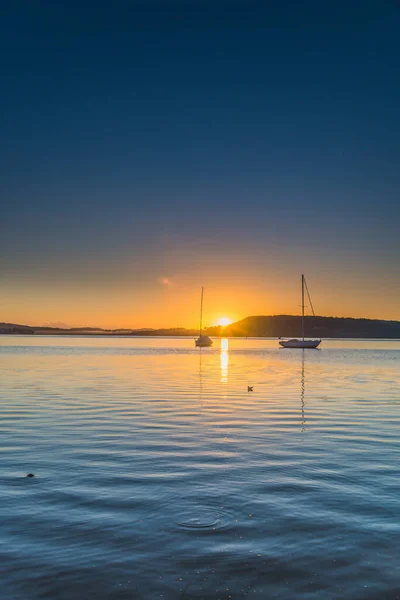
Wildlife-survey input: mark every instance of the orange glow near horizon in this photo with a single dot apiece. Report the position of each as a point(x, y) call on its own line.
point(175, 302)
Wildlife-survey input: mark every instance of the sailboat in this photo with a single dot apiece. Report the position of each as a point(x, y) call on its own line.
point(202, 340)
point(303, 343)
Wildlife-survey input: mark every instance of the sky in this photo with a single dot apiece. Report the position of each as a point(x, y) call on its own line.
point(153, 147)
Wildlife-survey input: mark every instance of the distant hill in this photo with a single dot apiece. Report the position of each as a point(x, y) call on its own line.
point(328, 327)
point(258, 326)
point(12, 328)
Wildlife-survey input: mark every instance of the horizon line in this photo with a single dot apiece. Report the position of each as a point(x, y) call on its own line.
point(176, 327)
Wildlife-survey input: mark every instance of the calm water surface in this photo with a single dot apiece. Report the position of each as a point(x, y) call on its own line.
point(158, 475)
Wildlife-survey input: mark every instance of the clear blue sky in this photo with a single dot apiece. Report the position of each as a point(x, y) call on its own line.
point(152, 147)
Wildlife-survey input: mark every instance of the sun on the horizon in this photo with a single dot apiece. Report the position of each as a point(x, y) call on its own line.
point(224, 321)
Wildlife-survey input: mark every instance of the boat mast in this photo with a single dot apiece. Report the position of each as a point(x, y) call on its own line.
point(302, 306)
point(201, 311)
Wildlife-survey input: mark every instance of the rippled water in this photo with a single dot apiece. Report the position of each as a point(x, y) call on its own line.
point(158, 475)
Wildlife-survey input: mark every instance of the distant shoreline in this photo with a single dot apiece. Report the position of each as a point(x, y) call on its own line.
point(274, 326)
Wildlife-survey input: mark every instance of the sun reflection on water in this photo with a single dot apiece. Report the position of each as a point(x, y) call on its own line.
point(224, 360)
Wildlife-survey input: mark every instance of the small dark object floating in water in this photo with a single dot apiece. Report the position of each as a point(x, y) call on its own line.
point(250, 388)
point(30, 475)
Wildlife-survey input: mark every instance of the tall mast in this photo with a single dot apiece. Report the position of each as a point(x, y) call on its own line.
point(302, 306)
point(201, 311)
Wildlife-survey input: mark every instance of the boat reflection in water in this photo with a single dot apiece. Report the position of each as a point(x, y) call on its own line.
point(224, 358)
point(200, 384)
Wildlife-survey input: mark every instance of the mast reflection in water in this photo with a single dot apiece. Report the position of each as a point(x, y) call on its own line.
point(302, 392)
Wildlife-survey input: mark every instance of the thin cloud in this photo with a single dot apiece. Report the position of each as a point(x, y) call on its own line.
point(164, 281)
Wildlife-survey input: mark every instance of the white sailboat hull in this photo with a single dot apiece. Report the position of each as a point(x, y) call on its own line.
point(204, 341)
point(299, 343)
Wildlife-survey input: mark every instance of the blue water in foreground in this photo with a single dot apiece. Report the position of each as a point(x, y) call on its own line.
point(158, 475)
